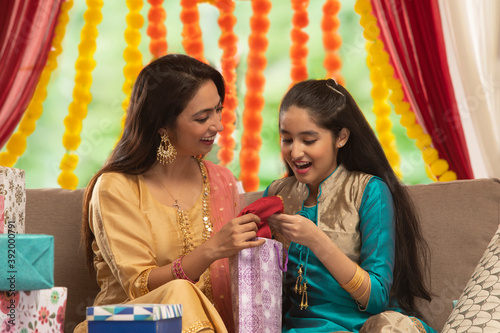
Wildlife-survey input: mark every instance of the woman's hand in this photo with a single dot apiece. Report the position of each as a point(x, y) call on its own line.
point(235, 236)
point(295, 228)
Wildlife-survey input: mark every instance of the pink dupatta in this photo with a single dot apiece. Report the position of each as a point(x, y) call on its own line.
point(225, 204)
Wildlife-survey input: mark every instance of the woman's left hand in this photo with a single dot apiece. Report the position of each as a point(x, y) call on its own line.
point(295, 228)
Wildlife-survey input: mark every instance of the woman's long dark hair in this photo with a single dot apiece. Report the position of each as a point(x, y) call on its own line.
point(161, 92)
point(332, 107)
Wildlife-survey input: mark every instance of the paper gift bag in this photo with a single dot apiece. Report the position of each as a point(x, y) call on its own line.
point(26, 262)
point(12, 189)
point(40, 311)
point(256, 286)
point(131, 318)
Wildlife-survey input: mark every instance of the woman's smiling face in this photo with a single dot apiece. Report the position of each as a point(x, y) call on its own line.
point(309, 150)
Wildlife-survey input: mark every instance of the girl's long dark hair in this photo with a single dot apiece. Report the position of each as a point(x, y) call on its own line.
point(161, 92)
point(332, 107)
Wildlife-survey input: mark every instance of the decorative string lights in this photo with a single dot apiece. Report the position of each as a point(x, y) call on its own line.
point(254, 99)
point(298, 48)
point(191, 32)
point(17, 142)
point(332, 40)
point(156, 29)
point(77, 110)
point(132, 54)
point(438, 168)
point(228, 41)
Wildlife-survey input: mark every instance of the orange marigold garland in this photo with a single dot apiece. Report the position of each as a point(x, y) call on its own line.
point(17, 142)
point(77, 109)
point(132, 54)
point(437, 167)
point(298, 47)
point(332, 40)
point(191, 32)
point(157, 30)
point(228, 43)
point(254, 99)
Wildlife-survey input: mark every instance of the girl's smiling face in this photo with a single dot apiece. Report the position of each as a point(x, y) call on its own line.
point(310, 150)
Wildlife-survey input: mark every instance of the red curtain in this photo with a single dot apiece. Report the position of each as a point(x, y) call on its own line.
point(412, 34)
point(26, 31)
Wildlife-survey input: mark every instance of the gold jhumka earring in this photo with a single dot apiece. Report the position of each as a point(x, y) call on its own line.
point(166, 151)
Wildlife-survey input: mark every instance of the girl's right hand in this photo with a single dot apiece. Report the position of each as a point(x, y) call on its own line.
point(234, 236)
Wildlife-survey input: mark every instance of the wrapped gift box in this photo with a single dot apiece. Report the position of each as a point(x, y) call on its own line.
point(40, 311)
point(26, 262)
point(13, 196)
point(131, 318)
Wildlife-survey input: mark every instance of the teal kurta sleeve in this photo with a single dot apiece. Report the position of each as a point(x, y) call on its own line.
point(377, 231)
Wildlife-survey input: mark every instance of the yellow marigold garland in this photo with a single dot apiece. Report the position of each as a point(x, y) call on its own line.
point(17, 142)
point(156, 28)
point(191, 32)
point(437, 167)
point(298, 47)
point(382, 110)
point(332, 40)
point(254, 99)
point(228, 43)
point(81, 93)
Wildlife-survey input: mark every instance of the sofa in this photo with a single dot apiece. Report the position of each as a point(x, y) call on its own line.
point(458, 218)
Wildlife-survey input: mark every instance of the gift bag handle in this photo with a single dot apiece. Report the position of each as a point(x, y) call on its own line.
point(285, 253)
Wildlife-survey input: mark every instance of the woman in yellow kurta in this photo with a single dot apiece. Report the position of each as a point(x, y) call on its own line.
point(159, 222)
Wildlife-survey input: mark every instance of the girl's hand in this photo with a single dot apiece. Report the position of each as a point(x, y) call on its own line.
point(235, 236)
point(295, 228)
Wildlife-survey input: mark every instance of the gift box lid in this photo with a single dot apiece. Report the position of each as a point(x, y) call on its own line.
point(134, 312)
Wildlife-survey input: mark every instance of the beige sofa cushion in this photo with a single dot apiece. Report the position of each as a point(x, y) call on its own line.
point(458, 220)
point(58, 212)
point(478, 308)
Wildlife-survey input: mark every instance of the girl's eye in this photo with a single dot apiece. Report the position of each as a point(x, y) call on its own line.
point(286, 140)
point(309, 142)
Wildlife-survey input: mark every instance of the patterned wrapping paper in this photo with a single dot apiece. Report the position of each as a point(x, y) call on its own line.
point(256, 286)
point(134, 312)
point(13, 191)
point(131, 318)
point(40, 311)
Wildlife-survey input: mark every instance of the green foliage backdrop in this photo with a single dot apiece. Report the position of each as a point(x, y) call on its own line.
point(102, 125)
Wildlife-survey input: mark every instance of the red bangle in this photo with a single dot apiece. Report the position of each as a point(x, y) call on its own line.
point(178, 272)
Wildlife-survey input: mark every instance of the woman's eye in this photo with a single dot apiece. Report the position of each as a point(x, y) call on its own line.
point(219, 109)
point(202, 120)
point(309, 142)
point(286, 140)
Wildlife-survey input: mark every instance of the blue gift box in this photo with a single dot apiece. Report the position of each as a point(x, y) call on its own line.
point(131, 318)
point(26, 262)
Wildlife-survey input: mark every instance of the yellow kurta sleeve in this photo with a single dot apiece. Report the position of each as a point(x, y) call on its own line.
point(123, 236)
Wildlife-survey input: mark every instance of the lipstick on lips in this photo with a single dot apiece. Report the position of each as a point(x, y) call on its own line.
point(301, 167)
point(208, 141)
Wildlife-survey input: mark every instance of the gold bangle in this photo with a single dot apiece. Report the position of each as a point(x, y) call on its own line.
point(364, 293)
point(144, 281)
point(356, 281)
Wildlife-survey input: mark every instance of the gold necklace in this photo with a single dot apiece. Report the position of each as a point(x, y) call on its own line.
point(176, 201)
point(182, 216)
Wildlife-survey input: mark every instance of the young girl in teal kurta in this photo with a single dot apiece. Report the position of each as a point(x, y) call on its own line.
point(353, 237)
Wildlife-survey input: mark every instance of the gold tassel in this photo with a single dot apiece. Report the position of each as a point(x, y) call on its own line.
point(298, 289)
point(303, 290)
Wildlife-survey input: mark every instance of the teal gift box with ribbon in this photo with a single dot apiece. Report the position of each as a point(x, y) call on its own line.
point(26, 262)
point(131, 318)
